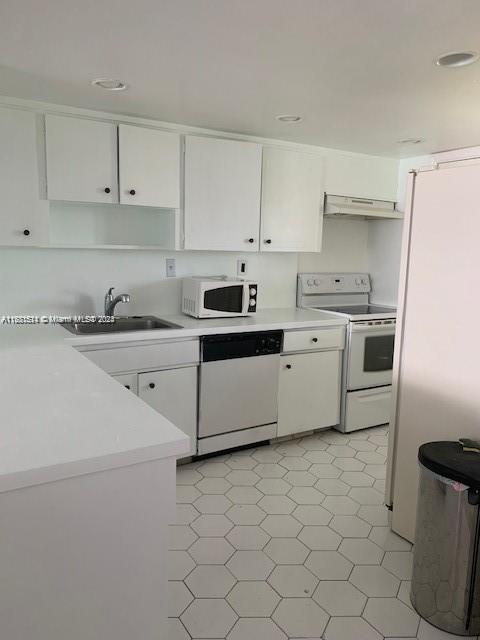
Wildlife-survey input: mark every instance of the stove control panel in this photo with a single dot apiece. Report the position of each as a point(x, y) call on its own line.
point(317, 283)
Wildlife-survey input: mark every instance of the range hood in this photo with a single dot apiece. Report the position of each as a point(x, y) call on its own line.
point(347, 207)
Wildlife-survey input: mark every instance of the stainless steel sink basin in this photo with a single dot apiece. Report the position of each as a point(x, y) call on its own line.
point(122, 323)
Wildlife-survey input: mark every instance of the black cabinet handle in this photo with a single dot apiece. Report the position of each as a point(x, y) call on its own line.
point(127, 386)
point(132, 192)
point(268, 241)
point(288, 366)
point(251, 240)
point(152, 385)
point(314, 339)
point(107, 189)
point(26, 232)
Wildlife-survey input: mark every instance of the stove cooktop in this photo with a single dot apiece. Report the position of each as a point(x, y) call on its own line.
point(360, 309)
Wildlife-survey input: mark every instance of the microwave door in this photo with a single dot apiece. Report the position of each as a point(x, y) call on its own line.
point(225, 299)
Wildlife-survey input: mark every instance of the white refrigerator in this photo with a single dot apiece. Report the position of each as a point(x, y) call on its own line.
point(436, 378)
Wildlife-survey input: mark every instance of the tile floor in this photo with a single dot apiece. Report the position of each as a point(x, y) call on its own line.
point(290, 541)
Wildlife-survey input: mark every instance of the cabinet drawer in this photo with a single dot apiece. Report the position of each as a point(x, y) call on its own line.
point(145, 357)
point(313, 339)
point(367, 408)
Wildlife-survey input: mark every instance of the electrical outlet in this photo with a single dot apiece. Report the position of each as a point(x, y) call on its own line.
point(242, 268)
point(170, 267)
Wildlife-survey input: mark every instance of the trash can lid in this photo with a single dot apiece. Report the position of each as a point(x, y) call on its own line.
point(448, 459)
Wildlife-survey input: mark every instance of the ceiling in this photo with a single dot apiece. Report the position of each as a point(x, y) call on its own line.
point(361, 73)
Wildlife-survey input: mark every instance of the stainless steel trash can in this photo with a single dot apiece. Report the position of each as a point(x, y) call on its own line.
point(445, 581)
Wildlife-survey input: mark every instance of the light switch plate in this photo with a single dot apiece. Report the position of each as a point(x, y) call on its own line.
point(170, 267)
point(242, 267)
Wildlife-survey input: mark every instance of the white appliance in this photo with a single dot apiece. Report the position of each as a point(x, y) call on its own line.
point(363, 208)
point(368, 356)
point(218, 297)
point(238, 389)
point(436, 370)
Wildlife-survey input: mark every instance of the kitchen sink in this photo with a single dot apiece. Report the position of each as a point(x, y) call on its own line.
point(121, 323)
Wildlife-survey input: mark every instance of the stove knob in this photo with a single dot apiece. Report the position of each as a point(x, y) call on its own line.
point(316, 282)
point(310, 282)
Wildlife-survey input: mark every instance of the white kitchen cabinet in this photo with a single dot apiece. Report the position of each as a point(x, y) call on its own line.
point(292, 198)
point(81, 160)
point(173, 393)
point(222, 194)
point(23, 214)
point(361, 176)
point(149, 167)
point(309, 391)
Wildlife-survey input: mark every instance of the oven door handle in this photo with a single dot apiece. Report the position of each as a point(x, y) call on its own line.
point(371, 328)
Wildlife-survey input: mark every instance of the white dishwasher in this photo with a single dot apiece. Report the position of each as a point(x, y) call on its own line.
point(238, 389)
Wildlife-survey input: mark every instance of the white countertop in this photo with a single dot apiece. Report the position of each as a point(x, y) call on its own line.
point(62, 416)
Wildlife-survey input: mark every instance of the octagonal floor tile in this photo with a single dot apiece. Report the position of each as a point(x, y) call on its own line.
point(293, 581)
point(341, 505)
point(388, 540)
point(277, 505)
point(376, 515)
point(329, 565)
point(187, 475)
point(180, 564)
point(375, 581)
point(211, 551)
point(362, 445)
point(399, 563)
point(341, 451)
point(250, 565)
point(300, 478)
point(391, 617)
point(325, 471)
point(377, 471)
point(266, 454)
point(366, 495)
point(176, 630)
point(239, 461)
point(357, 479)
point(320, 538)
point(213, 469)
point(379, 440)
point(212, 526)
point(370, 457)
point(319, 457)
point(273, 486)
point(187, 494)
point(313, 443)
point(361, 551)
point(179, 597)
point(242, 478)
point(210, 581)
point(311, 514)
point(332, 486)
point(349, 464)
point(350, 526)
point(209, 618)
point(212, 504)
point(248, 538)
point(253, 599)
point(213, 486)
point(185, 514)
point(246, 514)
point(290, 448)
point(281, 526)
point(269, 470)
point(181, 537)
point(350, 629)
point(244, 495)
point(306, 495)
point(256, 629)
point(292, 463)
point(340, 598)
point(287, 551)
point(300, 618)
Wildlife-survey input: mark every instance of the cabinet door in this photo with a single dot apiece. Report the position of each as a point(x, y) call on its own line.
point(81, 160)
point(173, 393)
point(23, 215)
point(309, 391)
point(149, 167)
point(361, 176)
point(222, 194)
point(292, 192)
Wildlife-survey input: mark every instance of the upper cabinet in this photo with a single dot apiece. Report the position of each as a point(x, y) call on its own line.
point(222, 194)
point(361, 176)
point(292, 194)
point(81, 160)
point(24, 210)
point(149, 167)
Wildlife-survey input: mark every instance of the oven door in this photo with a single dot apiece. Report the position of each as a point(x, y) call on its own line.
point(370, 356)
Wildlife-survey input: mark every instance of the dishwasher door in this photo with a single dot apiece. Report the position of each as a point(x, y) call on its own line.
point(238, 394)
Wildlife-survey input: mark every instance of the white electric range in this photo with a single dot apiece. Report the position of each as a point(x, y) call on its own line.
point(368, 356)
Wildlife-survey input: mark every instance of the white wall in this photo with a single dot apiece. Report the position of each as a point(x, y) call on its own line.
point(72, 281)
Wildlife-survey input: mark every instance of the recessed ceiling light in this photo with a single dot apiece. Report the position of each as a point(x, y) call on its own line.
point(110, 84)
point(457, 59)
point(411, 141)
point(289, 118)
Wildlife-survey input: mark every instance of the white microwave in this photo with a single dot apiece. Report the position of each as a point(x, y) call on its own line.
point(218, 297)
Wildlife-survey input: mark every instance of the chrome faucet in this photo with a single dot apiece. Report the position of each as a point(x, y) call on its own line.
point(111, 302)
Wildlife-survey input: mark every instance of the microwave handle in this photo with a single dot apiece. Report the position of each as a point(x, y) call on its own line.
point(246, 297)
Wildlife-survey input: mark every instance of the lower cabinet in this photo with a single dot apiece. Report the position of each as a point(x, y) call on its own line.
point(173, 393)
point(309, 391)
